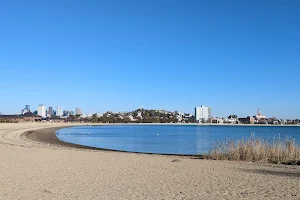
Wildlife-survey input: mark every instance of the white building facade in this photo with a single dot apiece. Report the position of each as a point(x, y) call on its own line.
point(78, 111)
point(42, 110)
point(202, 113)
point(59, 111)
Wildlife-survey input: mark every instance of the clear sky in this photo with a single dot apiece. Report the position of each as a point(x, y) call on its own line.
point(234, 56)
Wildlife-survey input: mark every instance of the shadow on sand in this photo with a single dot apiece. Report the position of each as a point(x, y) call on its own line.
point(295, 174)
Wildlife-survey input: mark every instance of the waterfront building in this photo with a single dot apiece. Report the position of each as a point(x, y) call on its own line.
point(217, 120)
point(99, 114)
point(202, 113)
point(248, 120)
point(131, 118)
point(259, 116)
point(78, 111)
point(42, 110)
point(59, 111)
point(139, 114)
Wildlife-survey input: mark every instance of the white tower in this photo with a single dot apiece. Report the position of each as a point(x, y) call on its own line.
point(202, 113)
point(59, 111)
point(42, 110)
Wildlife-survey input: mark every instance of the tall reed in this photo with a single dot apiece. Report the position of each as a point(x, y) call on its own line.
point(275, 150)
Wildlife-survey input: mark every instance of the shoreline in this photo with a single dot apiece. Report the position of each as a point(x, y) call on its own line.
point(48, 136)
point(32, 169)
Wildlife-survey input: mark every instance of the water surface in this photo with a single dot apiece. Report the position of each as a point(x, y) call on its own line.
point(168, 139)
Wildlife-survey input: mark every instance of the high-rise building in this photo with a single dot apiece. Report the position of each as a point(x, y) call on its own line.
point(66, 113)
point(50, 111)
point(78, 111)
point(27, 107)
point(59, 111)
point(202, 113)
point(42, 110)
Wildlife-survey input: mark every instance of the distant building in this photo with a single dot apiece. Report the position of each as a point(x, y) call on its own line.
point(139, 114)
point(71, 113)
point(42, 110)
point(131, 118)
point(50, 111)
point(56, 119)
point(66, 113)
point(248, 120)
point(99, 114)
point(202, 113)
point(259, 116)
point(26, 109)
point(217, 120)
point(78, 111)
point(59, 111)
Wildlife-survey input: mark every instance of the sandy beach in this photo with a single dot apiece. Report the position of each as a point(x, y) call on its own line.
point(38, 166)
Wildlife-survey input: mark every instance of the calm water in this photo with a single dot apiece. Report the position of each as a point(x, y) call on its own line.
point(167, 139)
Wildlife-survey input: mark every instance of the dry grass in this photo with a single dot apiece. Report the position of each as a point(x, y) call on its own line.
point(277, 150)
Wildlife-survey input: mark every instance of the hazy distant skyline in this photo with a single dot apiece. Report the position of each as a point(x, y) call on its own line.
point(172, 55)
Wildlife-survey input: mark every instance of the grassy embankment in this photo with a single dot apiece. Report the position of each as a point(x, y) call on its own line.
point(277, 150)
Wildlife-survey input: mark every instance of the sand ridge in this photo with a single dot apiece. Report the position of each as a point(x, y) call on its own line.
point(32, 169)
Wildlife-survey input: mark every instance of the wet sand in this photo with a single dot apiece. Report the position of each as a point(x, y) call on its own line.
point(39, 166)
point(48, 137)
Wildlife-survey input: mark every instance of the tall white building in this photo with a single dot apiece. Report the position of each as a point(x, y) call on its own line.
point(78, 111)
point(42, 110)
point(59, 111)
point(202, 113)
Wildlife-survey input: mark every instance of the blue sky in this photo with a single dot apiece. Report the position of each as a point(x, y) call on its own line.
point(234, 56)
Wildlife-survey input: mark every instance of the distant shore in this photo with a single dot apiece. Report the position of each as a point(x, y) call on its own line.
point(246, 125)
point(186, 124)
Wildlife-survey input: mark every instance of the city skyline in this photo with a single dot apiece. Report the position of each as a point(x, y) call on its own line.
point(229, 55)
point(201, 113)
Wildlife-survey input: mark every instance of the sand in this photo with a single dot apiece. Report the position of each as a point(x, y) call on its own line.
point(40, 167)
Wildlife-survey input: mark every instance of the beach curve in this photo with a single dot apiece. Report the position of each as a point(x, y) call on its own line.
point(32, 169)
